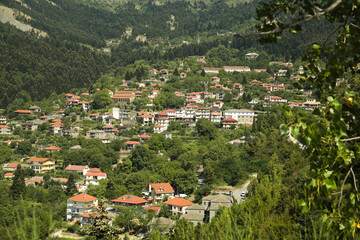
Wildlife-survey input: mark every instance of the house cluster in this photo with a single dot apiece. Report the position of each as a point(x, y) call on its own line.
point(83, 206)
point(190, 114)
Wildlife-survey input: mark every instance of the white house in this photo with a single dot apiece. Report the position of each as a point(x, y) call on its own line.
point(178, 205)
point(79, 204)
point(94, 178)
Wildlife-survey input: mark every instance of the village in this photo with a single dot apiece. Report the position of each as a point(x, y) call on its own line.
point(123, 119)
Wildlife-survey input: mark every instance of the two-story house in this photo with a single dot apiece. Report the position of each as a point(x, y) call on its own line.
point(212, 203)
point(41, 165)
point(83, 169)
point(79, 204)
point(129, 200)
point(178, 205)
point(5, 130)
point(94, 178)
point(158, 191)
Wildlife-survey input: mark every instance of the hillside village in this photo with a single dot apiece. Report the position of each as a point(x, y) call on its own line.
point(129, 116)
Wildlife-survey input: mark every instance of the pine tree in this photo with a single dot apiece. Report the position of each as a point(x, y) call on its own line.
point(18, 188)
point(176, 72)
point(70, 186)
point(203, 73)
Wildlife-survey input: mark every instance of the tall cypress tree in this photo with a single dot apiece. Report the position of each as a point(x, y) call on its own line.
point(18, 188)
point(70, 186)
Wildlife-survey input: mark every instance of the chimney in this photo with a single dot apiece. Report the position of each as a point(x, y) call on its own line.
point(84, 196)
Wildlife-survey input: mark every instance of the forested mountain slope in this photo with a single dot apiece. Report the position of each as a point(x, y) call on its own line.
point(41, 66)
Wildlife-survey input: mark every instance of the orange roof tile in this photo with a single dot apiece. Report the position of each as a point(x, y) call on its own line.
point(23, 111)
point(180, 202)
point(4, 126)
point(132, 143)
point(162, 188)
point(131, 199)
point(36, 159)
point(52, 148)
point(229, 120)
point(75, 168)
point(82, 197)
point(94, 170)
point(96, 174)
point(9, 174)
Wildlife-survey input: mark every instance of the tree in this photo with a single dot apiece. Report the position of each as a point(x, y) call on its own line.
point(206, 129)
point(24, 148)
point(70, 186)
point(102, 99)
point(330, 136)
point(101, 229)
point(203, 73)
point(18, 189)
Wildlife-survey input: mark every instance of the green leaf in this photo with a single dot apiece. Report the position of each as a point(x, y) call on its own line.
point(330, 98)
point(328, 173)
point(330, 183)
point(284, 129)
point(295, 132)
point(352, 198)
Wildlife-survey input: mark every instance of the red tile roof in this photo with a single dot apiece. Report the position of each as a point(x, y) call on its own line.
point(4, 126)
point(36, 159)
point(131, 199)
point(75, 168)
point(9, 174)
point(144, 136)
point(83, 197)
point(162, 188)
point(52, 148)
point(156, 209)
point(62, 180)
point(23, 111)
point(132, 143)
point(95, 170)
point(34, 180)
point(146, 116)
point(180, 202)
point(96, 174)
point(229, 120)
point(13, 165)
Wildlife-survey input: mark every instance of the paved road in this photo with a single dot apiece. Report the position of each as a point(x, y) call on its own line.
point(244, 188)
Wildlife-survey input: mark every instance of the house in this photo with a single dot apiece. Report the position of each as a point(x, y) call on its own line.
point(35, 181)
point(3, 120)
point(94, 178)
point(311, 105)
point(83, 169)
point(61, 180)
point(215, 117)
point(9, 175)
point(243, 116)
point(29, 126)
point(258, 70)
point(161, 224)
point(131, 144)
point(86, 218)
point(129, 200)
point(211, 70)
point(23, 112)
point(156, 209)
point(35, 109)
point(251, 55)
point(153, 71)
point(275, 99)
point(218, 104)
point(183, 75)
point(52, 149)
point(146, 119)
point(5, 130)
point(144, 137)
point(215, 79)
point(82, 203)
point(124, 96)
point(229, 123)
point(56, 128)
point(159, 128)
point(212, 203)
point(236, 69)
point(164, 71)
point(11, 167)
point(41, 165)
point(158, 191)
point(178, 205)
point(195, 213)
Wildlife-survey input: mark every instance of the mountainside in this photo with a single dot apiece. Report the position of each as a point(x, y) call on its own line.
point(32, 67)
point(70, 20)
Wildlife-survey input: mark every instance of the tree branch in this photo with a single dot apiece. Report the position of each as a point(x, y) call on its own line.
point(342, 189)
point(350, 139)
point(319, 12)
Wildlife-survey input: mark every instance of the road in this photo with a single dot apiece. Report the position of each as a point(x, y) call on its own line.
point(244, 188)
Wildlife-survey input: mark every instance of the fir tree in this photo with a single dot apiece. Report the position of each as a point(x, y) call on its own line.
point(18, 189)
